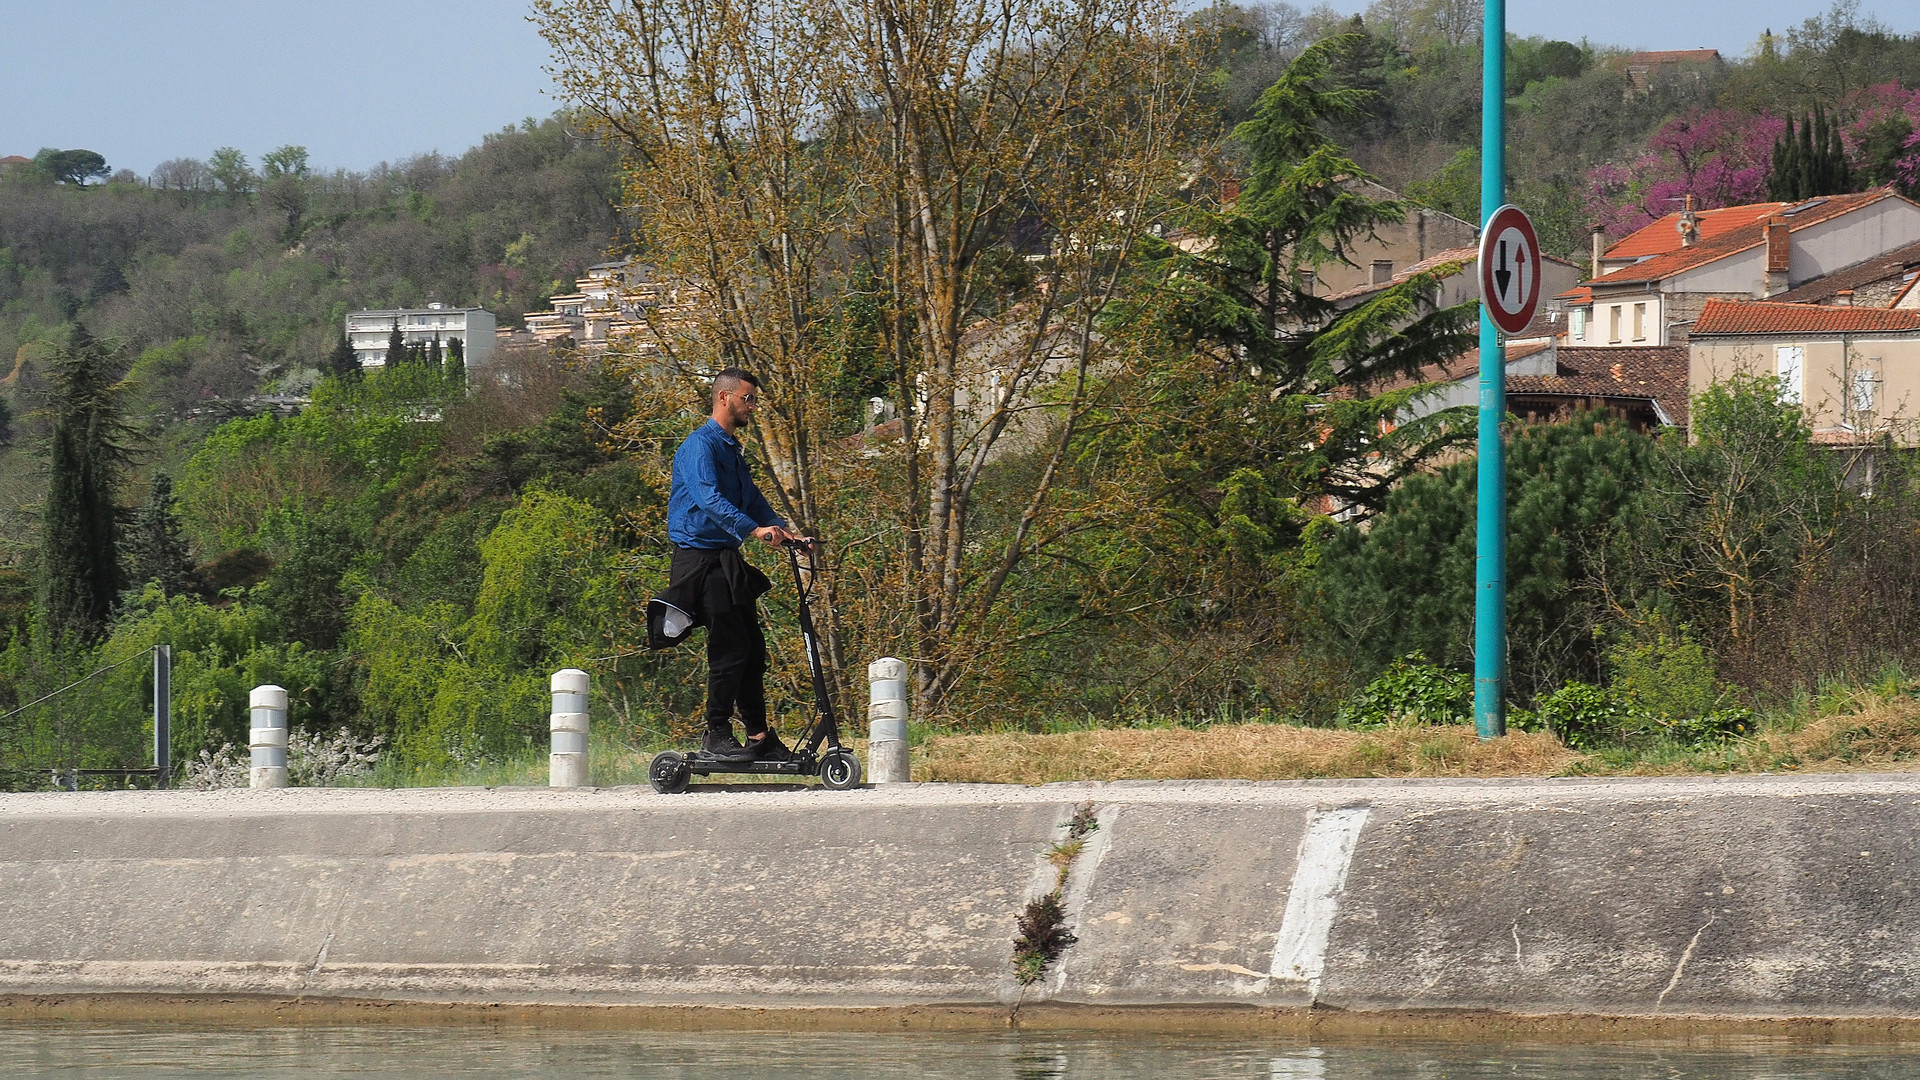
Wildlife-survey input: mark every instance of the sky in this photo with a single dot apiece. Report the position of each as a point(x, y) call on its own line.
point(358, 82)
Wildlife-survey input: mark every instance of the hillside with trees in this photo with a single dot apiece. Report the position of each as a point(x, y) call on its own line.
point(1101, 494)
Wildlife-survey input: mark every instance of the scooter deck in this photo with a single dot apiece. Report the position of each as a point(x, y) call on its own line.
point(700, 764)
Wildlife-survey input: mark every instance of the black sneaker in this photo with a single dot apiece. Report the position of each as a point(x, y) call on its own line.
point(769, 748)
point(725, 747)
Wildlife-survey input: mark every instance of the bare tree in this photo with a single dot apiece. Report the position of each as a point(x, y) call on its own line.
point(950, 191)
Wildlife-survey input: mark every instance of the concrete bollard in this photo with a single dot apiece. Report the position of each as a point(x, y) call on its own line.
point(567, 758)
point(887, 721)
point(268, 739)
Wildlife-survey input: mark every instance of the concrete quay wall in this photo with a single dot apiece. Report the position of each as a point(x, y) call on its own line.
point(1750, 898)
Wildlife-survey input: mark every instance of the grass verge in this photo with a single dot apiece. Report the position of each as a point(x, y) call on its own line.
point(1856, 731)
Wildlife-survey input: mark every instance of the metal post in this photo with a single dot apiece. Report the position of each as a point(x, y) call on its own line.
point(268, 739)
point(162, 715)
point(1490, 539)
point(887, 721)
point(567, 758)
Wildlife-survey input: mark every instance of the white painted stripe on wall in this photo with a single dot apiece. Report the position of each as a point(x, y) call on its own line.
point(1326, 851)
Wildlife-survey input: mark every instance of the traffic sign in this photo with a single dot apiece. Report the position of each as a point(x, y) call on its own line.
point(1510, 269)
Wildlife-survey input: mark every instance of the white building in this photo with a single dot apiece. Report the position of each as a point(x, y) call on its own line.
point(369, 331)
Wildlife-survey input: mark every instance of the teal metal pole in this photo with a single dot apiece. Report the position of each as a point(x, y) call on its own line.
point(1490, 540)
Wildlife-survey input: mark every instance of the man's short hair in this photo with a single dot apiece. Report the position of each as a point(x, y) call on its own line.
point(733, 378)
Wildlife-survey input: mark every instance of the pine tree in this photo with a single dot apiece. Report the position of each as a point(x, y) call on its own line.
point(87, 453)
point(341, 363)
point(158, 549)
point(396, 346)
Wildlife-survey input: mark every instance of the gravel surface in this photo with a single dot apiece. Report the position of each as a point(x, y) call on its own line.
point(713, 796)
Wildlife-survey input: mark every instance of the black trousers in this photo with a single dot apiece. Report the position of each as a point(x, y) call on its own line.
point(736, 662)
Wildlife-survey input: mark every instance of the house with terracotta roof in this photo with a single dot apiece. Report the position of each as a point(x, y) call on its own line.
point(1643, 69)
point(1460, 285)
point(1547, 381)
point(1757, 253)
point(1855, 370)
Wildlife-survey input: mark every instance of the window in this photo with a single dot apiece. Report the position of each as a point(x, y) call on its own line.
point(1577, 323)
point(1864, 381)
point(1787, 363)
point(1382, 271)
point(1613, 325)
point(1639, 322)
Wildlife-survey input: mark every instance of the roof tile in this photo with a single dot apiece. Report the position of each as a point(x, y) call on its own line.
point(1772, 317)
point(1750, 235)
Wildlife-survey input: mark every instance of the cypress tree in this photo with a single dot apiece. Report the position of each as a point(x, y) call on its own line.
point(88, 450)
point(1780, 176)
point(341, 363)
point(396, 346)
point(456, 362)
point(159, 550)
point(433, 354)
point(1806, 172)
point(1842, 177)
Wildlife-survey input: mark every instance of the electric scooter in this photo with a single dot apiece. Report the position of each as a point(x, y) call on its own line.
point(671, 772)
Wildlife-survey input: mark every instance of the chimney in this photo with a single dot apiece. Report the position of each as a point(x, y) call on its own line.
point(1843, 298)
point(1779, 256)
point(1599, 247)
point(1689, 224)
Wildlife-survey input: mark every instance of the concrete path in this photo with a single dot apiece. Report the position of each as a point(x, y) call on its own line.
point(1751, 897)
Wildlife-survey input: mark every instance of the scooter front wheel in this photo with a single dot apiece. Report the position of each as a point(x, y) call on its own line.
point(840, 770)
point(668, 773)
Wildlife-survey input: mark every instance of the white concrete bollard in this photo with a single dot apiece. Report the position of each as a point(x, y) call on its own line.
point(268, 739)
point(567, 758)
point(887, 721)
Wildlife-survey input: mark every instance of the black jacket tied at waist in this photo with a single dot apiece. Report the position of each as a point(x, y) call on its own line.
point(702, 583)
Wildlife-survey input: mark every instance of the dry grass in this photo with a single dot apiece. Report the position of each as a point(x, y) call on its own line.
point(1875, 733)
point(1240, 751)
point(1859, 732)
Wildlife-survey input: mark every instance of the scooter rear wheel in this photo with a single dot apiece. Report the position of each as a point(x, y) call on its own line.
point(840, 770)
point(668, 773)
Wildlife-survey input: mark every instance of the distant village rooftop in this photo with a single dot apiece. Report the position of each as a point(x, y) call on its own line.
point(1740, 317)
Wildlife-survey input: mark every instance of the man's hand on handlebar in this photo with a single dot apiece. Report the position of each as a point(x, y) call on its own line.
point(781, 536)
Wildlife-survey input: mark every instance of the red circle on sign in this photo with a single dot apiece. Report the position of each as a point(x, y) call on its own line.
point(1510, 269)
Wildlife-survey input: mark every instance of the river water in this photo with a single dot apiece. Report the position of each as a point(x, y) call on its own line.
point(161, 1052)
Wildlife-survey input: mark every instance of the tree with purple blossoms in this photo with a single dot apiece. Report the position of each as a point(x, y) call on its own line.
point(1719, 156)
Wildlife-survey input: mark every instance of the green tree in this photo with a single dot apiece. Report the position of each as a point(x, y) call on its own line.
point(6, 423)
point(88, 449)
point(230, 170)
point(1405, 584)
point(283, 176)
point(456, 362)
point(157, 549)
point(1809, 163)
point(1272, 388)
point(71, 166)
point(397, 354)
point(341, 363)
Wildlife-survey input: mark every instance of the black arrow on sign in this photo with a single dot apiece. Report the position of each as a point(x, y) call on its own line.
point(1502, 275)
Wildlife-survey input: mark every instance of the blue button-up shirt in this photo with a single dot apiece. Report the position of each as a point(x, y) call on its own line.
point(714, 503)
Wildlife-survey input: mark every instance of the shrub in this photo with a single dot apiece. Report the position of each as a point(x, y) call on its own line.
point(1411, 690)
point(1585, 716)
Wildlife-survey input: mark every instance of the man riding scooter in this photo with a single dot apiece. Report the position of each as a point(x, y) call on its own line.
point(713, 508)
